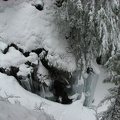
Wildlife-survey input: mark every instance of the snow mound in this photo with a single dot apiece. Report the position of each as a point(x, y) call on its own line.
point(21, 23)
point(17, 112)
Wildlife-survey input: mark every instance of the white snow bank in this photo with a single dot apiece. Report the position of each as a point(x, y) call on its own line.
point(23, 24)
point(95, 67)
point(2, 45)
point(17, 112)
point(75, 111)
point(102, 89)
point(13, 57)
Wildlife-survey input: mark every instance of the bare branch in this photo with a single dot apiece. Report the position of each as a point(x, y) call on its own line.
point(40, 106)
point(6, 98)
point(95, 109)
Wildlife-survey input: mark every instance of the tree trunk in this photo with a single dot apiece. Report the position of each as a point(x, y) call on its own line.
point(116, 109)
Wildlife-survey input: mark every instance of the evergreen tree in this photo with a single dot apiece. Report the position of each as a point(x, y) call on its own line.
point(93, 28)
point(116, 108)
point(113, 65)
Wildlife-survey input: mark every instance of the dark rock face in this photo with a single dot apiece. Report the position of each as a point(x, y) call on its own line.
point(38, 51)
point(2, 70)
point(102, 59)
point(14, 71)
point(39, 7)
point(26, 54)
point(99, 60)
point(11, 71)
point(89, 70)
point(28, 63)
point(60, 92)
point(66, 100)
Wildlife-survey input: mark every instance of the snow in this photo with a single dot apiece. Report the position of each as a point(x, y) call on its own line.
point(18, 112)
point(81, 81)
point(102, 89)
point(74, 111)
point(13, 57)
point(29, 28)
point(38, 2)
point(42, 69)
point(2, 45)
point(23, 70)
point(95, 67)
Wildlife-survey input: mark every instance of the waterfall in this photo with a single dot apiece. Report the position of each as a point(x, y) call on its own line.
point(26, 84)
point(89, 88)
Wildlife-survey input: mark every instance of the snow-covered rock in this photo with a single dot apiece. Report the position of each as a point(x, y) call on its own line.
point(22, 24)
